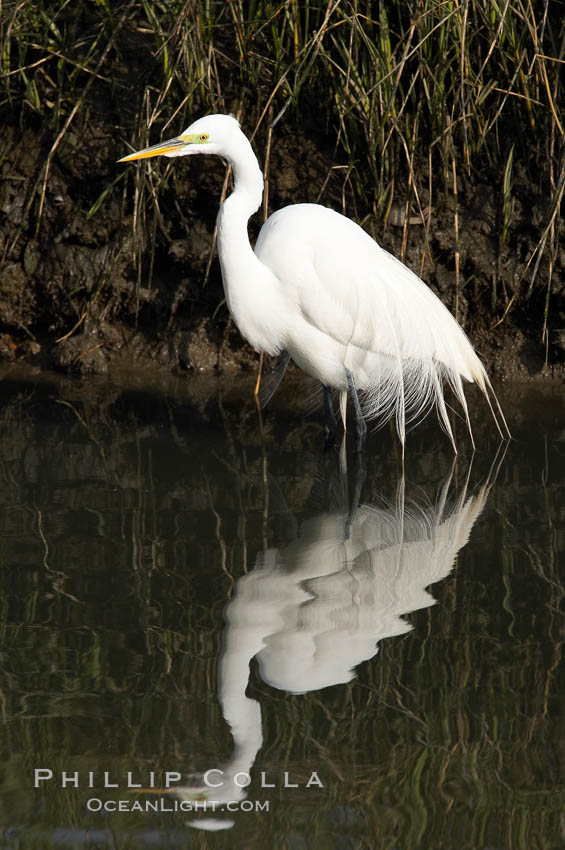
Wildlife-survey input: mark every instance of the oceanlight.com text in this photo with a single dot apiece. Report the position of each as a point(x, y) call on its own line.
point(166, 804)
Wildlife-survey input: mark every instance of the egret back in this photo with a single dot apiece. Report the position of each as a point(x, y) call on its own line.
point(352, 305)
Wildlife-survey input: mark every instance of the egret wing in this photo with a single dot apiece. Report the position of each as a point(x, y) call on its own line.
point(399, 340)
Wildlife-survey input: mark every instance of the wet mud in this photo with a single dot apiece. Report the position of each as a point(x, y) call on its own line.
point(82, 292)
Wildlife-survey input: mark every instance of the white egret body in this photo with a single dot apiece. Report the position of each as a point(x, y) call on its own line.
point(320, 288)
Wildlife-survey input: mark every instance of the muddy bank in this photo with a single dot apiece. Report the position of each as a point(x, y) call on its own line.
point(80, 290)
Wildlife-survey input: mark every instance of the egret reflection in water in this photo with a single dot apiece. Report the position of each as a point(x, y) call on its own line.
point(312, 611)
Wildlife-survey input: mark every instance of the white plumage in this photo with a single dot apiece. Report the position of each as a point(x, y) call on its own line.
point(311, 612)
point(318, 287)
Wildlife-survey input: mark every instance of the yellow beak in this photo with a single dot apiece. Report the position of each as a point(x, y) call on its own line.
point(158, 150)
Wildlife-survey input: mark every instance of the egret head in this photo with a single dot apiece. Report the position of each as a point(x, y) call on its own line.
point(214, 134)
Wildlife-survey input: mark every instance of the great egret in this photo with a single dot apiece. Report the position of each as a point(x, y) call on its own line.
point(319, 289)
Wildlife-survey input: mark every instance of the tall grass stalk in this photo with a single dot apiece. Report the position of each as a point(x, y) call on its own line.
point(416, 93)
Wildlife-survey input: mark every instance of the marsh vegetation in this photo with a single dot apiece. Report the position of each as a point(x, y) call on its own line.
point(437, 125)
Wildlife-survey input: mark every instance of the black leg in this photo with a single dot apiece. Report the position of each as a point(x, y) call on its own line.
point(361, 424)
point(360, 476)
point(271, 382)
point(330, 426)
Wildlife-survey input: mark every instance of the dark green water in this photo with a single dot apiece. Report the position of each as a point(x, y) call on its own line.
point(179, 595)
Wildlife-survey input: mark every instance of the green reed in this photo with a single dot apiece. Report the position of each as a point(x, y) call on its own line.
point(415, 94)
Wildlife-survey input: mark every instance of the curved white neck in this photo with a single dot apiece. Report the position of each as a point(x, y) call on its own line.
point(247, 191)
point(248, 283)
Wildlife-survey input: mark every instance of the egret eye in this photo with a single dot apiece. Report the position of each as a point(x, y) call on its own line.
point(203, 137)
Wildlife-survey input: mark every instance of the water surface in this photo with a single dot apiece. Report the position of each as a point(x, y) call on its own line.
point(181, 594)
